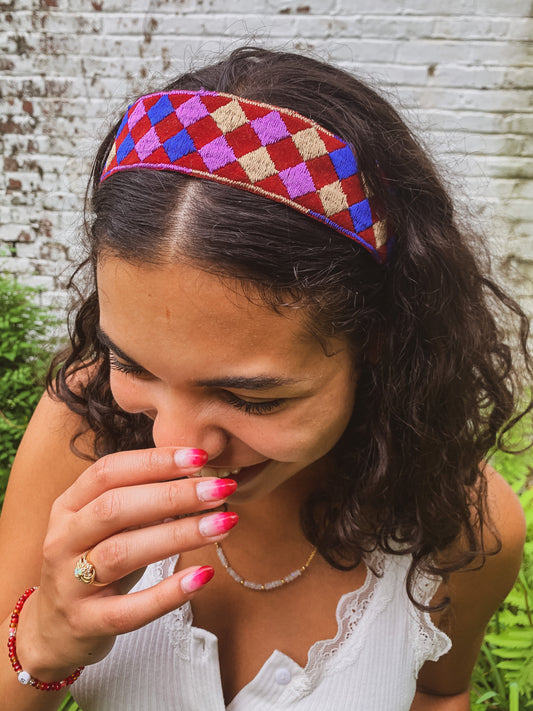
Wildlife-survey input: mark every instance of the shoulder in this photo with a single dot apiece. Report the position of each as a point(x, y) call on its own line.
point(503, 537)
point(44, 467)
point(476, 592)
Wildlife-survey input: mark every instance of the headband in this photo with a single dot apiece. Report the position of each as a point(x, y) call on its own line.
point(257, 147)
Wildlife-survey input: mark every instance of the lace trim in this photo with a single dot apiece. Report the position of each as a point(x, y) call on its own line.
point(365, 602)
point(178, 622)
point(429, 642)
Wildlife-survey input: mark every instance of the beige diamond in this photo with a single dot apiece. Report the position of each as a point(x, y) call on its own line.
point(380, 232)
point(229, 117)
point(333, 198)
point(309, 143)
point(110, 157)
point(366, 187)
point(258, 165)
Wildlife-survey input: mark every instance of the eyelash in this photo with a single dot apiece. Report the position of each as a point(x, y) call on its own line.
point(253, 408)
point(250, 408)
point(127, 368)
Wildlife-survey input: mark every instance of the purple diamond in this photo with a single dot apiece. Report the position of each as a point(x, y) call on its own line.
point(191, 111)
point(147, 144)
point(270, 128)
point(136, 115)
point(217, 153)
point(297, 180)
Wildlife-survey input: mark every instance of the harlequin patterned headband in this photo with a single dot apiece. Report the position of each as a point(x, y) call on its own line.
point(257, 147)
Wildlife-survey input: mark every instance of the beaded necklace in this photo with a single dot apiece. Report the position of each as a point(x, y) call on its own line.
point(291, 577)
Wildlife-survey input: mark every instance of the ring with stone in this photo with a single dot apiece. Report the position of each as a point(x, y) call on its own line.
point(85, 572)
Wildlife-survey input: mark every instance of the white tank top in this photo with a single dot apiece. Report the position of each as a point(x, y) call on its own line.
point(371, 665)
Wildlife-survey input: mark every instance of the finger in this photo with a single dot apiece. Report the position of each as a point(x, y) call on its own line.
point(129, 468)
point(120, 555)
point(135, 506)
point(118, 614)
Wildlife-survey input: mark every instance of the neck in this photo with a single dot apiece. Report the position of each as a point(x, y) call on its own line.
point(269, 537)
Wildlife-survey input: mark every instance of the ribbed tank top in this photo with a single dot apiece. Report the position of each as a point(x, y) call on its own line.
point(371, 665)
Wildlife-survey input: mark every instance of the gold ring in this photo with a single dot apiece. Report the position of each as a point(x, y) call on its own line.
point(85, 572)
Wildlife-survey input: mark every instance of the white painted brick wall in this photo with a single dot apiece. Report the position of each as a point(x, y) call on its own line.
point(461, 71)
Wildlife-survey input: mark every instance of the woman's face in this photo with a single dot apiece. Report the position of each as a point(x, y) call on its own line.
point(213, 370)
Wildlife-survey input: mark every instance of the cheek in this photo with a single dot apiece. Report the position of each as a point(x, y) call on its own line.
point(301, 435)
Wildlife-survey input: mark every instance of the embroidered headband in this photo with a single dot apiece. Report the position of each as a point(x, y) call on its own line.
point(257, 147)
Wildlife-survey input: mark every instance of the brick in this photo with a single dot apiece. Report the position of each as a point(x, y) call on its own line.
point(368, 7)
point(485, 100)
point(522, 210)
point(508, 28)
point(58, 300)
point(357, 51)
point(508, 188)
point(9, 231)
point(457, 52)
point(397, 28)
point(522, 248)
point(16, 265)
point(518, 123)
point(512, 8)
point(472, 77)
point(29, 250)
point(487, 144)
point(474, 121)
point(37, 281)
point(508, 167)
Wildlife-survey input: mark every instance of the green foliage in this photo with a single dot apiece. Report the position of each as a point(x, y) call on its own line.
point(25, 348)
point(503, 677)
point(69, 704)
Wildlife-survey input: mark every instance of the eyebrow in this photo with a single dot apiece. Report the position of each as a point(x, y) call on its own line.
point(108, 343)
point(254, 382)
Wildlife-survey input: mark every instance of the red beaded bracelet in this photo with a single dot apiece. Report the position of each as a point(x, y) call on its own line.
point(23, 676)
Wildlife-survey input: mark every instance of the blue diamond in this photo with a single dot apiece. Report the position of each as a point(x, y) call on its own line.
point(344, 162)
point(160, 110)
point(361, 215)
point(125, 148)
point(179, 145)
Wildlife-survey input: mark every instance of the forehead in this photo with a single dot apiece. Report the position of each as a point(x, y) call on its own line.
point(178, 309)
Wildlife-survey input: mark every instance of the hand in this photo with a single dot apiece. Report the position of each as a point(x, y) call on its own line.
point(123, 510)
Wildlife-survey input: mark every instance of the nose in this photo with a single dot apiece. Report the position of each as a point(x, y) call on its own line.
point(183, 423)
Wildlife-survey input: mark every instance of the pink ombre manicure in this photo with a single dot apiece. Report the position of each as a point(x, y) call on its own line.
point(215, 489)
point(218, 523)
point(190, 457)
point(197, 579)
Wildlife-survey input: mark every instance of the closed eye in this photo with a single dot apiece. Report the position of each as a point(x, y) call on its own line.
point(258, 407)
point(129, 368)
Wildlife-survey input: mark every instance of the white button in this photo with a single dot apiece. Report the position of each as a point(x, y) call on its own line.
point(283, 676)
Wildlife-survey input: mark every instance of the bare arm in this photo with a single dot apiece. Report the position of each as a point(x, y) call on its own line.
point(43, 469)
point(430, 702)
point(475, 595)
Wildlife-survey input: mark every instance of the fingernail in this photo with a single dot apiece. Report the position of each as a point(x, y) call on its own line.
point(218, 523)
point(197, 579)
point(215, 489)
point(190, 457)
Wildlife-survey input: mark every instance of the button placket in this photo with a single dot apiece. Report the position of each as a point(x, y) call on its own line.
point(283, 676)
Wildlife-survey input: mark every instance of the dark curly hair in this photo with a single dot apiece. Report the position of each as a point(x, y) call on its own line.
point(438, 386)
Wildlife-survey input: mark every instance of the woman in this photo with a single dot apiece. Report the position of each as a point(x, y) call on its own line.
point(280, 301)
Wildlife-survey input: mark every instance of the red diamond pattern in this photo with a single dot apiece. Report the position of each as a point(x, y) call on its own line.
point(257, 158)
